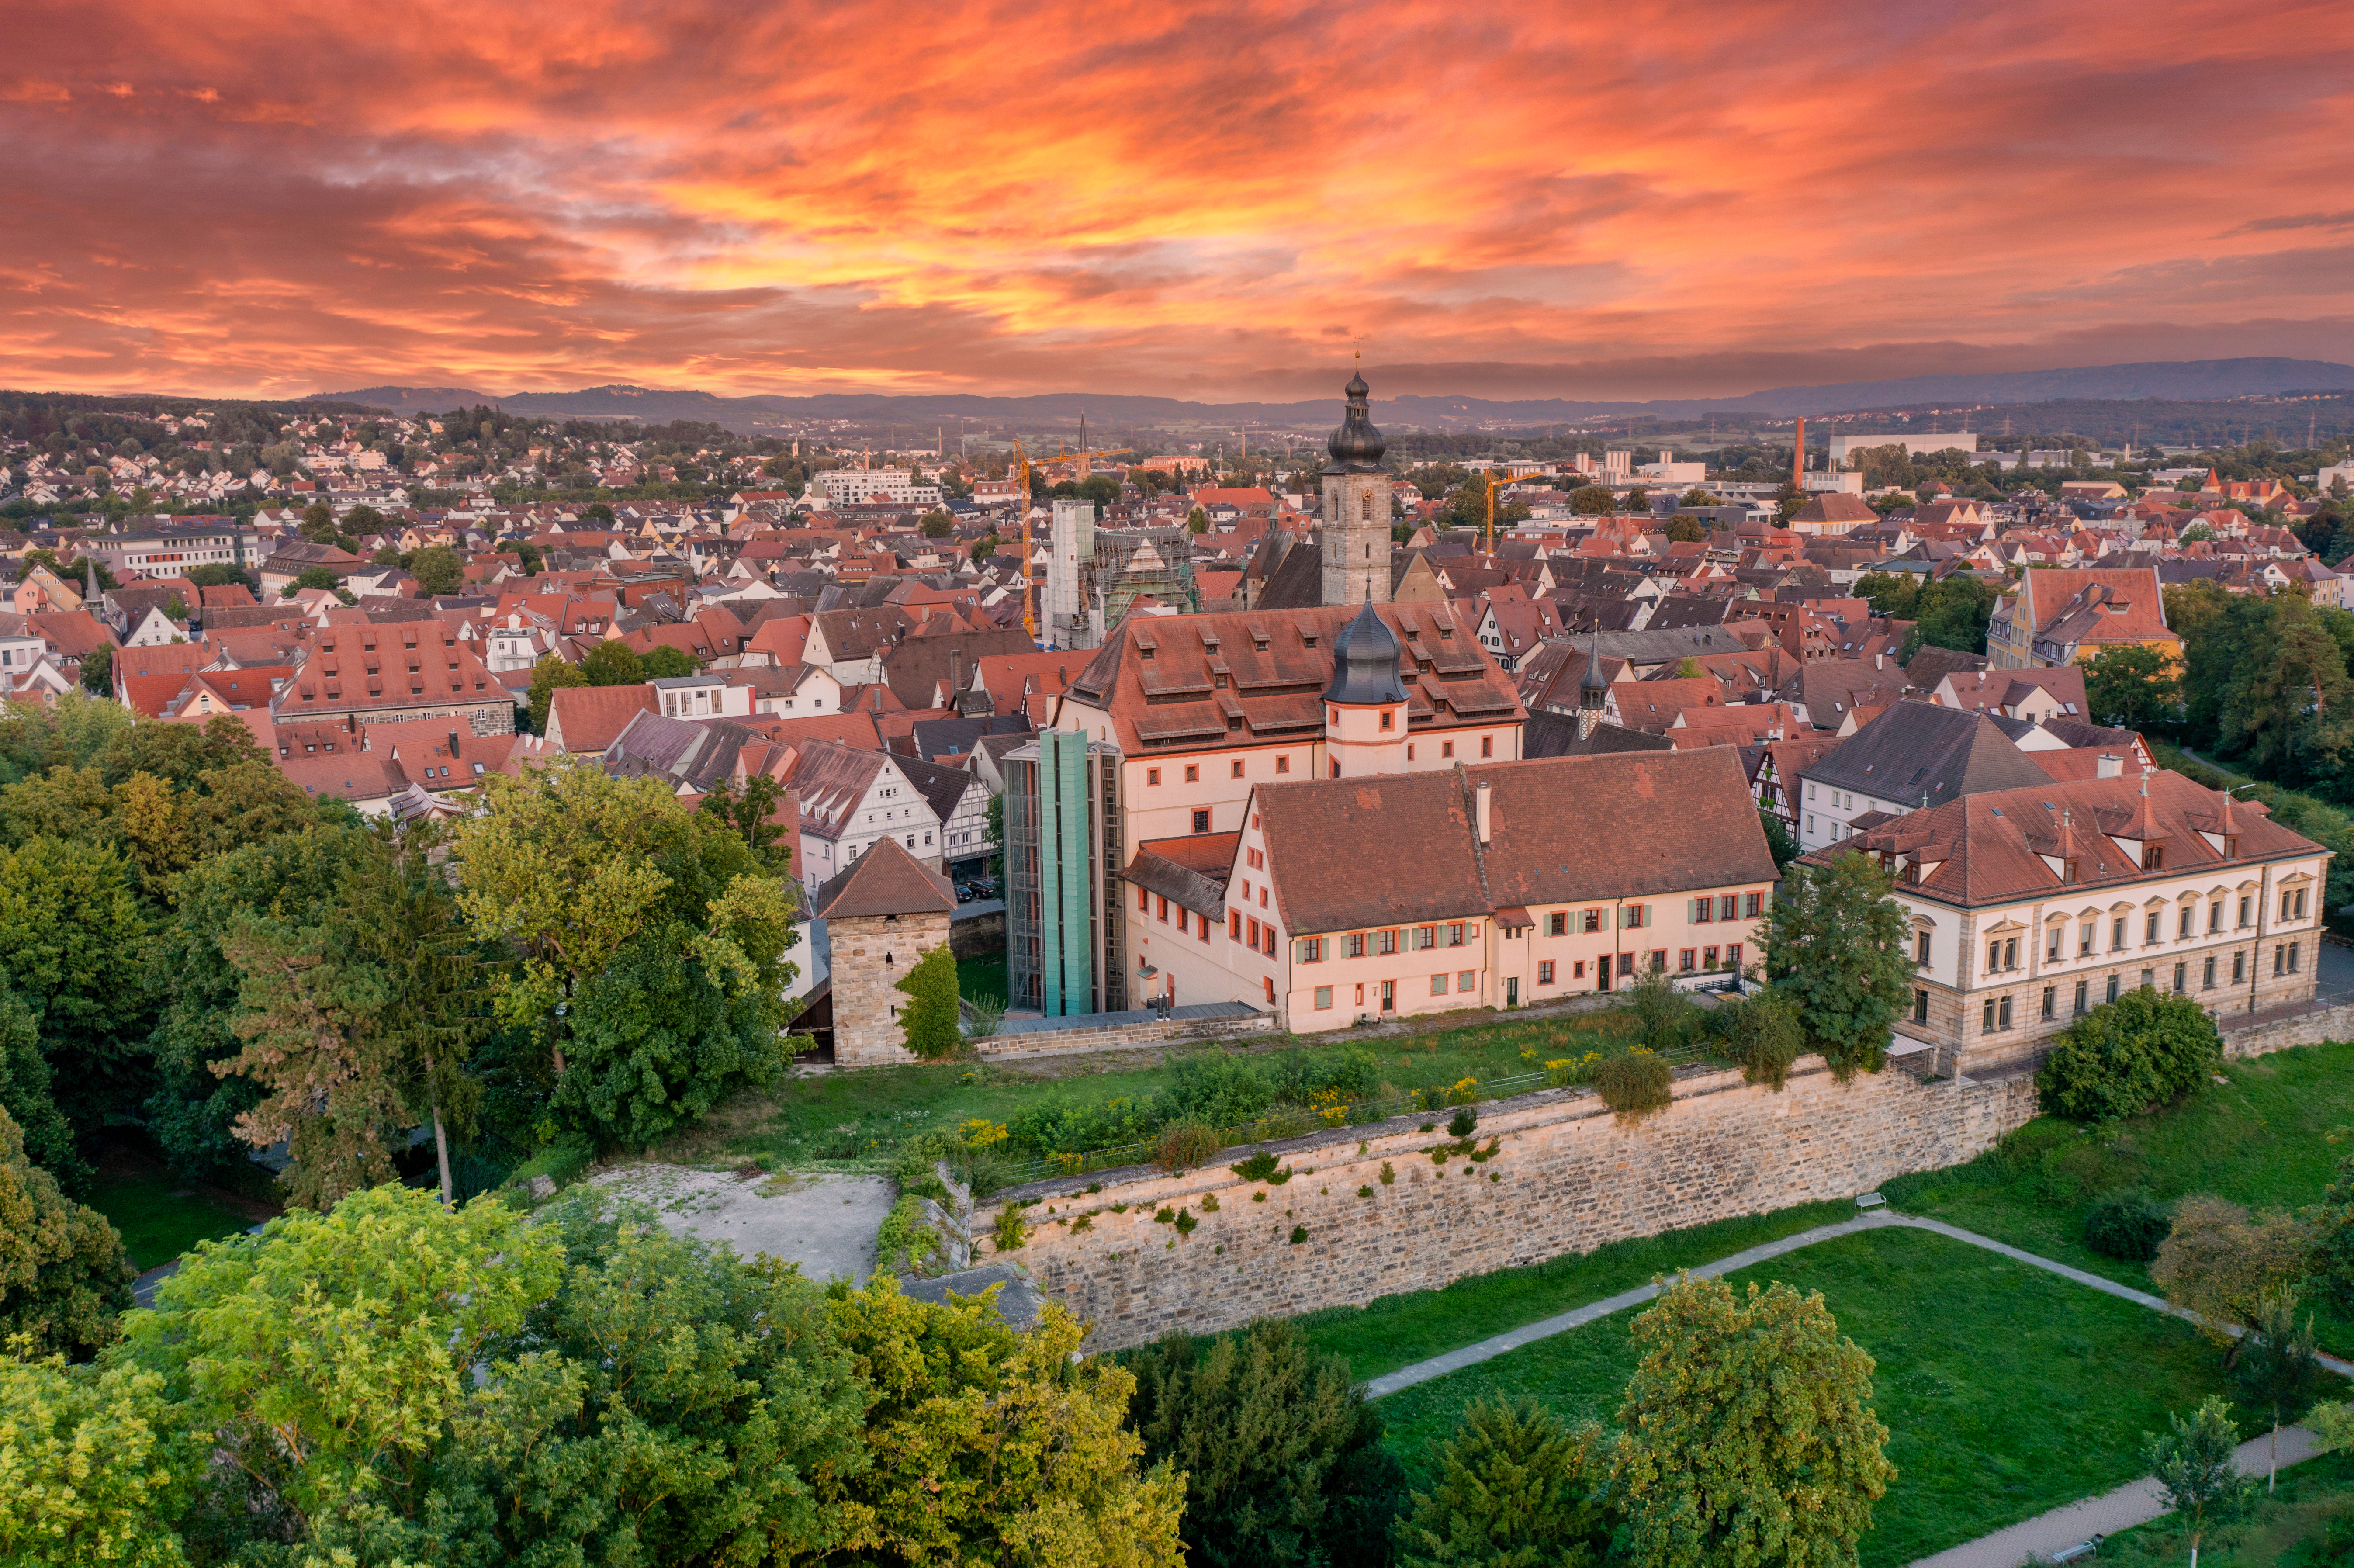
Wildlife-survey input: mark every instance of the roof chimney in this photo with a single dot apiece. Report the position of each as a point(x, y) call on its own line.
point(2109, 766)
point(1479, 810)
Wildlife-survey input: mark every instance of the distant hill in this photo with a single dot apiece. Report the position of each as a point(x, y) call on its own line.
point(2185, 380)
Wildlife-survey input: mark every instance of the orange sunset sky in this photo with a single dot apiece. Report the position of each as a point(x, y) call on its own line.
point(1639, 199)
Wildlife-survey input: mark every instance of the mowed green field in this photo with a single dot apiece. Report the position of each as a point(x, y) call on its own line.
point(2007, 1390)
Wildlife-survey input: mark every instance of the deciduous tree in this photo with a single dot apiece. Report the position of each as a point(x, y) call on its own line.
point(1834, 948)
point(613, 662)
point(2132, 686)
point(71, 932)
point(986, 1446)
point(1750, 1434)
point(2279, 1366)
point(439, 569)
point(2220, 1262)
point(92, 1462)
point(64, 1276)
point(2195, 1465)
point(572, 868)
point(327, 1360)
point(549, 673)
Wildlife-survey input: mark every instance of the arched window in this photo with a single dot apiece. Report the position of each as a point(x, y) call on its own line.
point(1369, 505)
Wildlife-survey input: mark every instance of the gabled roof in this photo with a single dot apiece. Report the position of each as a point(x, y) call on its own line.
point(1991, 848)
point(1917, 755)
point(591, 718)
point(885, 880)
point(1679, 821)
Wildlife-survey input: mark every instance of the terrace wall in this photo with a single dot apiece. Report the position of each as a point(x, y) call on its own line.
point(1565, 1176)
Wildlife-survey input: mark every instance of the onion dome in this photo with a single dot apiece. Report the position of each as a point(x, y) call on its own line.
point(1365, 663)
point(1355, 444)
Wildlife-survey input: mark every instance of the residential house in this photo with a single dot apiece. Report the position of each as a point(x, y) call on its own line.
point(1914, 756)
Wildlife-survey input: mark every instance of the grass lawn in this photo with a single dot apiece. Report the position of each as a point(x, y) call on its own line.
point(2007, 1391)
point(2261, 1139)
point(861, 1117)
point(978, 978)
point(1398, 1331)
point(160, 1215)
point(2309, 1522)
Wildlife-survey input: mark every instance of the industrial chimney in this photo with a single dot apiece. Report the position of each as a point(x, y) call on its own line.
point(1798, 458)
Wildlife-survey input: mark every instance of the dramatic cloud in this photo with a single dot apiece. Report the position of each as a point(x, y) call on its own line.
point(1661, 198)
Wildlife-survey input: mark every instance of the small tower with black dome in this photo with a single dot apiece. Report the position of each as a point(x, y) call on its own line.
point(1353, 533)
point(1366, 700)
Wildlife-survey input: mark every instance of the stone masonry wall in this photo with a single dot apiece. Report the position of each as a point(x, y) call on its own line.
point(867, 995)
point(1565, 1177)
point(2309, 1026)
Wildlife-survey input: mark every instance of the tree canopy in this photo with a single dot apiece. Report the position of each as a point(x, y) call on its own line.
point(1835, 945)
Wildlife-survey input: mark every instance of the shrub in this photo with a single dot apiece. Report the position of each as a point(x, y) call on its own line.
point(1388, 1175)
point(1664, 1011)
point(1184, 1145)
point(1763, 1034)
point(929, 1018)
point(1186, 1222)
point(1299, 1234)
point(1462, 1122)
point(1635, 1085)
point(906, 1242)
point(1010, 1229)
point(2127, 1056)
point(1261, 1167)
point(2130, 1225)
point(984, 1016)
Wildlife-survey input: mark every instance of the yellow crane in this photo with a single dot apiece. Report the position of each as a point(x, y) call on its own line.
point(1087, 454)
point(1022, 490)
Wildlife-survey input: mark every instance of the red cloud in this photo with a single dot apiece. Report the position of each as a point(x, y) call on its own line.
point(1661, 199)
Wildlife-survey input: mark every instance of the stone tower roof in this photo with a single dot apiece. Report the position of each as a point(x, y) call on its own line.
point(885, 880)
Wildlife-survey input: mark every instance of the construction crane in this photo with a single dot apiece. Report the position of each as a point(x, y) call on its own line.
point(1086, 453)
point(1029, 596)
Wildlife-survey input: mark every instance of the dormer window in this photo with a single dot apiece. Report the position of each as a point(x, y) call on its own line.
point(2153, 857)
point(2068, 870)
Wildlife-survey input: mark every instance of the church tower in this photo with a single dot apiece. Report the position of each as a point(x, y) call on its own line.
point(1354, 532)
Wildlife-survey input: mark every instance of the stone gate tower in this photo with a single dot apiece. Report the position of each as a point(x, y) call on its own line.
point(1353, 535)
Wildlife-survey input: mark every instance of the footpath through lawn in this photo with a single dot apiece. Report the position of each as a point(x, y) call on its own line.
point(2262, 1137)
point(2007, 1391)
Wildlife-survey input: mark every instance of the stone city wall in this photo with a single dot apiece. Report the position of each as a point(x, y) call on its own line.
point(1565, 1177)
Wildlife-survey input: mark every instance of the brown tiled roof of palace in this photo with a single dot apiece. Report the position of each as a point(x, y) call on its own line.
point(1184, 683)
point(885, 880)
point(1678, 820)
point(1348, 853)
point(1990, 848)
